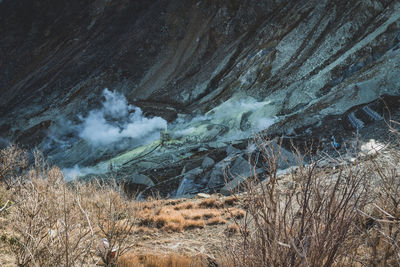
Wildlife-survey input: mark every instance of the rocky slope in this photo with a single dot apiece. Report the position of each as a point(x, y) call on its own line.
point(216, 71)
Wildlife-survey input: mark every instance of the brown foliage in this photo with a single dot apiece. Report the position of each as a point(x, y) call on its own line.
point(309, 224)
point(232, 200)
point(62, 224)
point(215, 221)
point(169, 260)
point(13, 162)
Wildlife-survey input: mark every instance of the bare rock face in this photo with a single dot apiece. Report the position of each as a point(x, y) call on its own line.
point(244, 64)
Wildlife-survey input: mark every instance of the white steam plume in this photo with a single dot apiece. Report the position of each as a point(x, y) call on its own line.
point(76, 172)
point(115, 121)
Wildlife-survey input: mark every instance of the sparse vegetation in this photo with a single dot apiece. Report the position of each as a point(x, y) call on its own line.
point(169, 260)
point(232, 200)
point(216, 220)
point(343, 216)
point(210, 203)
point(176, 220)
point(313, 216)
point(13, 162)
point(184, 206)
point(231, 229)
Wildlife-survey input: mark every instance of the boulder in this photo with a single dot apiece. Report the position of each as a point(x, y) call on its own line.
point(217, 175)
point(202, 196)
point(228, 170)
point(231, 151)
point(216, 178)
point(236, 183)
point(141, 179)
point(286, 158)
point(185, 187)
point(193, 174)
point(240, 167)
point(207, 163)
point(188, 184)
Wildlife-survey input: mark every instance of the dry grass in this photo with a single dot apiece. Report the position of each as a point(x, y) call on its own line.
point(210, 203)
point(172, 220)
point(184, 206)
point(180, 215)
point(211, 213)
point(216, 220)
point(347, 216)
point(143, 230)
point(173, 227)
point(231, 201)
point(196, 214)
point(235, 213)
point(169, 260)
point(193, 224)
point(232, 229)
point(57, 223)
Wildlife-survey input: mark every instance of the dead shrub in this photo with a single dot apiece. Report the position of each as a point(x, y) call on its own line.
point(309, 224)
point(231, 201)
point(114, 218)
point(231, 229)
point(379, 222)
point(13, 163)
point(5, 201)
point(61, 224)
point(51, 226)
point(235, 213)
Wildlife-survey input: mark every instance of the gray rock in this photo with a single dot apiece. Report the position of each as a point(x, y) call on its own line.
point(202, 195)
point(202, 149)
point(217, 175)
point(285, 159)
point(192, 174)
point(188, 184)
point(230, 150)
point(185, 187)
point(230, 188)
point(141, 179)
point(222, 173)
point(207, 163)
point(240, 167)
point(216, 145)
point(236, 184)
point(163, 76)
point(216, 178)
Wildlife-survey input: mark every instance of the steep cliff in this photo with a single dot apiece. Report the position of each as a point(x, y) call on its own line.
point(235, 66)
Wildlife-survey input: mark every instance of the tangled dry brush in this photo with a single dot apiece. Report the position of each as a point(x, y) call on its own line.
point(346, 215)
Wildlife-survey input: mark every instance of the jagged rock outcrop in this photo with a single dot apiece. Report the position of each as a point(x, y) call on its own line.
point(244, 65)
